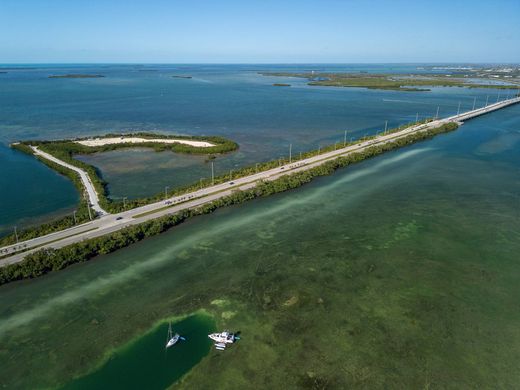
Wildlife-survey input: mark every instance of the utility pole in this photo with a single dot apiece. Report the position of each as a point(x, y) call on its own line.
point(458, 109)
point(290, 153)
point(85, 195)
point(201, 183)
point(230, 174)
point(345, 139)
point(437, 115)
point(498, 96)
point(16, 234)
point(166, 188)
point(74, 216)
point(89, 212)
point(256, 168)
point(124, 202)
point(417, 118)
point(212, 174)
point(300, 155)
point(487, 98)
point(386, 126)
point(319, 149)
point(474, 102)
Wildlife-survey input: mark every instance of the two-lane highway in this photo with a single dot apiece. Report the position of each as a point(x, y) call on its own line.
point(109, 223)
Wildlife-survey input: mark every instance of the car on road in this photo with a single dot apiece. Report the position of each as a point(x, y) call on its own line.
point(231, 183)
point(119, 218)
point(168, 202)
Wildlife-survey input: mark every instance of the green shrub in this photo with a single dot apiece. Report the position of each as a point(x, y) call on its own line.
point(47, 260)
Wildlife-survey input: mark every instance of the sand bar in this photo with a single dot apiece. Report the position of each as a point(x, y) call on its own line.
point(138, 140)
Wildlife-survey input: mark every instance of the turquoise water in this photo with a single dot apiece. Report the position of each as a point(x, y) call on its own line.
point(399, 272)
point(146, 364)
point(228, 100)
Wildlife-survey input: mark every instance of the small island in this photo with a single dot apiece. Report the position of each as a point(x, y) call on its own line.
point(76, 76)
point(181, 77)
point(281, 85)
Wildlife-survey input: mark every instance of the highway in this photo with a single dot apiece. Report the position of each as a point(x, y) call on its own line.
point(108, 223)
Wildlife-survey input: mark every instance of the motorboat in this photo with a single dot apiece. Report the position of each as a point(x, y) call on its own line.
point(222, 339)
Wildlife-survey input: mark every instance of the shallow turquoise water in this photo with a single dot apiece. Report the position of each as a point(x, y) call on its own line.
point(233, 101)
point(399, 272)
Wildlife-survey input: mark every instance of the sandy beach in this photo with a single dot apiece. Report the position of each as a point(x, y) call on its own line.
point(138, 140)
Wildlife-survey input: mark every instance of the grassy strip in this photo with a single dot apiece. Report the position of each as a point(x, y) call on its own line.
point(50, 242)
point(247, 171)
point(47, 260)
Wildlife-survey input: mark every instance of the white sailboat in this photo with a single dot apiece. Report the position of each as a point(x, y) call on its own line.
point(172, 339)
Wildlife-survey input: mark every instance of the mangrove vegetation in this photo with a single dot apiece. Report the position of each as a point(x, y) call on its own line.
point(113, 206)
point(65, 150)
point(47, 260)
point(394, 82)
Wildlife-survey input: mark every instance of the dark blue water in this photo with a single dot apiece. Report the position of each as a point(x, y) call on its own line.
point(30, 192)
point(228, 100)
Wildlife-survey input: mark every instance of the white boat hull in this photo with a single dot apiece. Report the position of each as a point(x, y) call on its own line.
point(222, 339)
point(172, 341)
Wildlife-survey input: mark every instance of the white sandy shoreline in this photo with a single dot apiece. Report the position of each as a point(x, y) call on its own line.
point(138, 140)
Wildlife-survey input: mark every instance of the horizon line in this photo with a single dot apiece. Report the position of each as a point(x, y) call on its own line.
point(260, 63)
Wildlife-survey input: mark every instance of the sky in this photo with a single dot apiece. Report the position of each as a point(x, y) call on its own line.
point(259, 31)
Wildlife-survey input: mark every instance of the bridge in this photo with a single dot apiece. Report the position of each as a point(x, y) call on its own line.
point(109, 223)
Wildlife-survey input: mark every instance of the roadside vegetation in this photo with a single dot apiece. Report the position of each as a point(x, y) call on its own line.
point(393, 82)
point(47, 260)
point(66, 150)
point(118, 206)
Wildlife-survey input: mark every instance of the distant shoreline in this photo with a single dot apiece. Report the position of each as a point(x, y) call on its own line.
point(76, 76)
point(409, 82)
